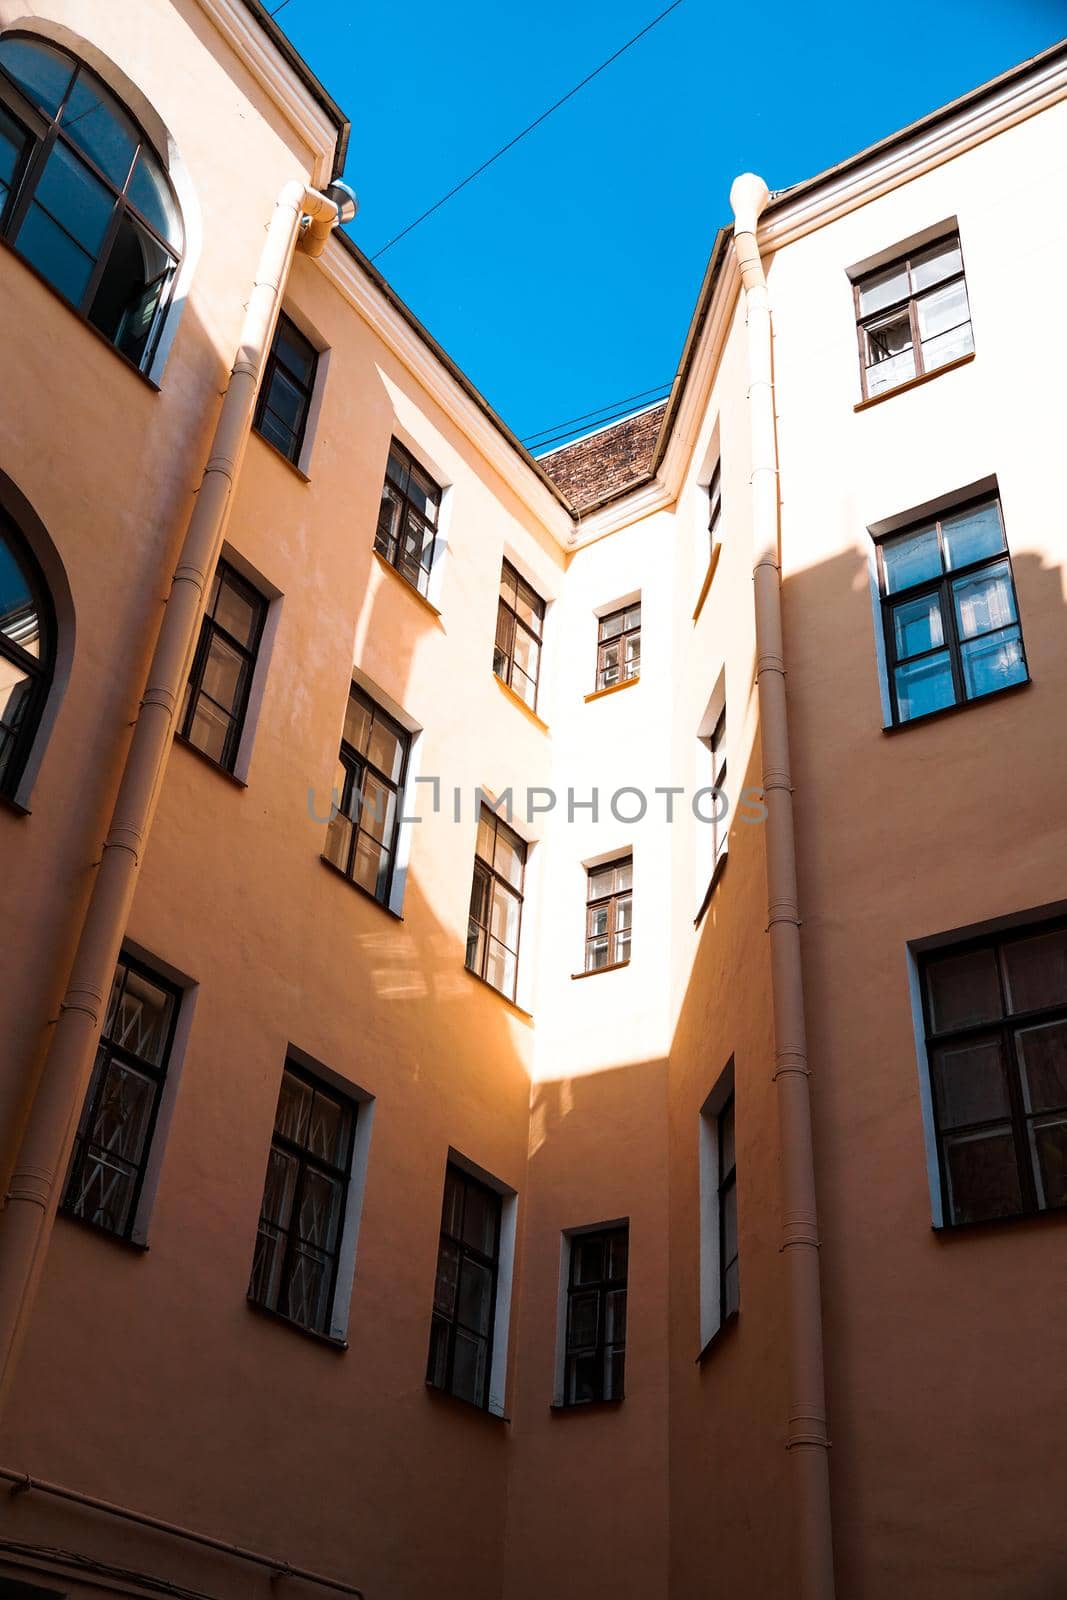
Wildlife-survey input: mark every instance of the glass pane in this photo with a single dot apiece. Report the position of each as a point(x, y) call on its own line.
point(501, 968)
point(141, 1022)
point(486, 840)
point(131, 289)
point(235, 612)
point(266, 1266)
point(597, 921)
point(608, 664)
point(423, 493)
point(437, 1361)
point(993, 662)
point(370, 869)
point(731, 1290)
point(294, 1109)
point(529, 607)
point(223, 673)
point(480, 1212)
point(475, 956)
point(526, 653)
point(338, 841)
point(525, 687)
point(57, 258)
point(615, 1317)
point(280, 1186)
point(19, 621)
point(280, 436)
point(943, 309)
point(917, 626)
point(358, 718)
point(924, 686)
point(452, 1211)
point(623, 911)
point(884, 288)
point(41, 72)
point(294, 353)
point(475, 1303)
point(726, 1141)
point(150, 193)
point(1043, 1058)
point(388, 516)
point(624, 875)
point(73, 197)
point(285, 400)
point(621, 952)
point(985, 601)
point(397, 468)
point(307, 1292)
point(1048, 1142)
point(508, 584)
point(729, 1222)
point(971, 535)
point(615, 1362)
point(970, 1083)
point(13, 141)
point(618, 1255)
point(889, 358)
point(510, 857)
point(93, 122)
point(447, 1279)
point(983, 1176)
point(468, 1367)
point(377, 815)
point(963, 989)
point(104, 1192)
point(1035, 971)
point(597, 953)
point(320, 1210)
point(583, 1379)
point(611, 627)
point(601, 883)
point(386, 749)
point(583, 1312)
point(937, 262)
point(504, 917)
point(946, 347)
point(911, 558)
point(632, 654)
point(632, 616)
point(587, 1258)
point(209, 729)
point(328, 1129)
point(123, 1110)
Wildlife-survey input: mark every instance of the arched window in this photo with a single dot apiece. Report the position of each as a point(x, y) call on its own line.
point(83, 197)
point(27, 652)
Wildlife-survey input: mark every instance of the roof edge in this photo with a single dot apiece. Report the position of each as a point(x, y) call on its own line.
point(315, 88)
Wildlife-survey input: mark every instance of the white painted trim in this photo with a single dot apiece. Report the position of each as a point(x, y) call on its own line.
point(880, 662)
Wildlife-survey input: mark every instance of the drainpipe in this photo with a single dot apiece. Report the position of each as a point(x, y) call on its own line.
point(33, 1194)
point(807, 1440)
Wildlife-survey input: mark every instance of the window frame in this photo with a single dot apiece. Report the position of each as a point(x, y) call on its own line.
point(107, 1051)
point(909, 302)
point(715, 507)
point(44, 131)
point(490, 874)
point(602, 1287)
point(40, 669)
point(491, 1263)
point(306, 388)
point(942, 586)
point(1005, 1029)
point(515, 622)
point(609, 900)
point(720, 830)
point(727, 1184)
point(407, 508)
point(210, 627)
point(307, 1160)
point(618, 639)
point(354, 762)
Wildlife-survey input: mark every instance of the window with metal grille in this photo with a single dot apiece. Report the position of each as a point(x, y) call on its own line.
point(407, 517)
point(729, 1281)
point(951, 622)
point(362, 836)
point(618, 654)
point(519, 623)
point(996, 1037)
point(595, 1362)
point(27, 652)
point(84, 199)
point(284, 399)
point(114, 1138)
point(464, 1299)
point(913, 316)
point(495, 920)
point(216, 696)
point(609, 914)
point(298, 1245)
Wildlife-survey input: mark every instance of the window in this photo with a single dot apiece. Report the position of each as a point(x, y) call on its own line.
point(948, 607)
point(216, 696)
point(407, 517)
point(595, 1363)
point(609, 915)
point(84, 198)
point(285, 393)
point(465, 1289)
point(496, 904)
point(720, 1295)
point(729, 1289)
point(912, 316)
point(519, 622)
point(298, 1245)
point(27, 653)
point(362, 835)
point(618, 654)
point(114, 1137)
point(720, 833)
point(714, 509)
point(995, 1011)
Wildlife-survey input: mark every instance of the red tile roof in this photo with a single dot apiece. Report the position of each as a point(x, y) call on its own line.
point(605, 463)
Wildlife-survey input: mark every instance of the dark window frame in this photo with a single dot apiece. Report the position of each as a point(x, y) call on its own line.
point(1004, 1030)
point(485, 872)
point(357, 767)
point(720, 826)
point(907, 302)
point(210, 629)
point(618, 639)
point(43, 132)
point(451, 1322)
point(609, 901)
point(507, 621)
point(112, 1050)
point(305, 386)
point(942, 586)
point(405, 508)
point(18, 741)
point(607, 1284)
point(727, 1185)
point(715, 507)
point(307, 1161)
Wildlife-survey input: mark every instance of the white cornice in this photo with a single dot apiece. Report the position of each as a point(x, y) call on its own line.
point(398, 336)
point(274, 75)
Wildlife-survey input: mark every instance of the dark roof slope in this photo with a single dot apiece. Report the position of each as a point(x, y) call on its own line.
point(606, 463)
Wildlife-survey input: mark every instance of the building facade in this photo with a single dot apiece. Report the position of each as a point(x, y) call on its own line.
point(535, 994)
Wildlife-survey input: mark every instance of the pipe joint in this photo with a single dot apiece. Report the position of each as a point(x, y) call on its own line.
point(31, 1185)
point(783, 910)
point(800, 1231)
point(790, 1061)
point(769, 663)
point(225, 466)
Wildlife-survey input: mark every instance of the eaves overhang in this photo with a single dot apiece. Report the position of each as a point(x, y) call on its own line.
point(323, 99)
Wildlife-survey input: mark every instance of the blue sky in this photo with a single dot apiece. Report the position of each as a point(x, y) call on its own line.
point(564, 278)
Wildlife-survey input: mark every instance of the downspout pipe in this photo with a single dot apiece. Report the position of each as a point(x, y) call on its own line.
point(33, 1193)
point(807, 1439)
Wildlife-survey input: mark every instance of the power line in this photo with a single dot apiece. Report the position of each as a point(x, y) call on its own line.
point(568, 422)
point(282, 7)
point(535, 124)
